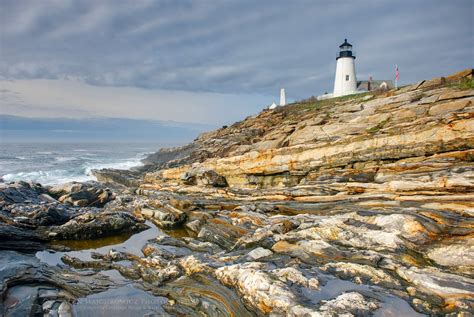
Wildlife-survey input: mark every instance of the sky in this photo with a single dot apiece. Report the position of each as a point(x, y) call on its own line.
point(212, 62)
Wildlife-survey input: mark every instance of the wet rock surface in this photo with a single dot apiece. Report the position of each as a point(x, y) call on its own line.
point(30, 216)
point(30, 288)
point(355, 206)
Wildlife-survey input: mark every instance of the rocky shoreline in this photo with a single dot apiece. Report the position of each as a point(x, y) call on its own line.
point(355, 206)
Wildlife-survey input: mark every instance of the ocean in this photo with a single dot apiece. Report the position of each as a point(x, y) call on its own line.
point(57, 163)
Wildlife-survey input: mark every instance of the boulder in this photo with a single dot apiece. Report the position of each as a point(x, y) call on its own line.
point(82, 194)
point(203, 177)
point(258, 253)
point(127, 178)
point(443, 108)
point(92, 225)
point(294, 276)
point(165, 217)
point(222, 232)
point(350, 303)
point(259, 290)
point(21, 192)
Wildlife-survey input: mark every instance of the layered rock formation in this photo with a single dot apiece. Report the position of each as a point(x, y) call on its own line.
point(350, 206)
point(372, 188)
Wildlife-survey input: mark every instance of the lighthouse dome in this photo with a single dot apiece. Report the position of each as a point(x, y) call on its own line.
point(345, 46)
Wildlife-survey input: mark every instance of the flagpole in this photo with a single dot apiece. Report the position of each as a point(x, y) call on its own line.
point(396, 76)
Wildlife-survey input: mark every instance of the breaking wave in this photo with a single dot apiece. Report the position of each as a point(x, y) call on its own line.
point(74, 173)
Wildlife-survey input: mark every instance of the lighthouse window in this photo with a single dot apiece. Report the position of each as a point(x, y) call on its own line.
point(347, 77)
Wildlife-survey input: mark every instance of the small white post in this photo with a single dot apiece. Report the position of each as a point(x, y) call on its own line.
point(282, 97)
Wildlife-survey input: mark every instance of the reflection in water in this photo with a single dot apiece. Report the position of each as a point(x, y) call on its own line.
point(124, 243)
point(179, 232)
point(90, 244)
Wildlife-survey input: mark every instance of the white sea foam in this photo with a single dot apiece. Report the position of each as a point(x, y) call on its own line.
point(44, 152)
point(47, 177)
point(51, 164)
point(65, 158)
point(79, 174)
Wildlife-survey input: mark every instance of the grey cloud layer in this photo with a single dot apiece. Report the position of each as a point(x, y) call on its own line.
point(231, 46)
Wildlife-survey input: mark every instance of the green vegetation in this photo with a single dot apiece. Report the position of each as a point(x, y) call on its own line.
point(378, 126)
point(294, 112)
point(313, 104)
point(464, 84)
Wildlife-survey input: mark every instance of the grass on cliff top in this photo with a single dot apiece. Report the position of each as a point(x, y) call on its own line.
point(292, 111)
point(314, 104)
point(464, 84)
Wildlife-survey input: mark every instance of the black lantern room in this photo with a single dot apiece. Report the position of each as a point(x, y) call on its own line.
point(345, 50)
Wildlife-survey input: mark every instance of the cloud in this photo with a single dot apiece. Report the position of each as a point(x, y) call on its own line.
point(75, 99)
point(231, 47)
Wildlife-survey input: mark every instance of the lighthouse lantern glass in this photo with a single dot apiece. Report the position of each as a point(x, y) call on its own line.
point(346, 48)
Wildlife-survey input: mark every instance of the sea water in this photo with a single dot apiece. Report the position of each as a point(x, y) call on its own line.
point(56, 163)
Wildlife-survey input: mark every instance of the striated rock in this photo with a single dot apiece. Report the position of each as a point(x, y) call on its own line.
point(166, 216)
point(389, 127)
point(184, 242)
point(20, 192)
point(444, 108)
point(350, 303)
point(93, 225)
point(257, 288)
point(457, 254)
point(191, 265)
point(194, 226)
point(258, 253)
point(290, 274)
point(157, 271)
point(201, 294)
point(221, 232)
point(361, 274)
point(452, 289)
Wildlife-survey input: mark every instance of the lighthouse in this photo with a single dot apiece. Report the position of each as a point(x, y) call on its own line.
point(345, 82)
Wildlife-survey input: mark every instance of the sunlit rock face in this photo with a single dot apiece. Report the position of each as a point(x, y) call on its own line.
point(355, 206)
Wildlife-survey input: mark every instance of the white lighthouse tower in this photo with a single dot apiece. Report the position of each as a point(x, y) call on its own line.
point(345, 82)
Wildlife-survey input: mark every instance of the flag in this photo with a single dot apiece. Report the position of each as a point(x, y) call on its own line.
point(396, 72)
